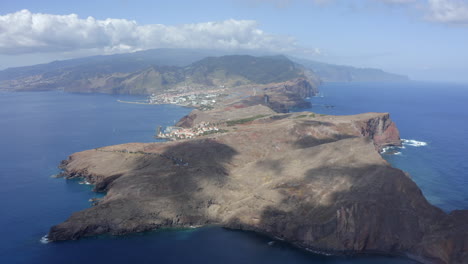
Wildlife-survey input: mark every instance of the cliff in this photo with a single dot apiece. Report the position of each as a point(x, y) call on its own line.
point(315, 181)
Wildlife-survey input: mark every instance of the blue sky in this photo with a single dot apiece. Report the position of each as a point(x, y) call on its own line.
point(425, 39)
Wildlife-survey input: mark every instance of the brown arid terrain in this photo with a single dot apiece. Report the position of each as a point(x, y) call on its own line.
point(315, 181)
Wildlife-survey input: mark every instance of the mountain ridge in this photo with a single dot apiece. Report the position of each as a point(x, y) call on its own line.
point(343, 73)
point(225, 71)
point(118, 64)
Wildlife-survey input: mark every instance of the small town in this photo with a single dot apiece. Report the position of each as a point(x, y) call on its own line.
point(175, 133)
point(205, 99)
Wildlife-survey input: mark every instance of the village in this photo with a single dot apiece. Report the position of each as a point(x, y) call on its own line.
point(176, 133)
point(202, 100)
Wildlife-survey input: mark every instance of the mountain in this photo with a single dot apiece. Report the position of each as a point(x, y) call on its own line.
point(340, 73)
point(134, 73)
point(157, 70)
point(261, 70)
point(126, 62)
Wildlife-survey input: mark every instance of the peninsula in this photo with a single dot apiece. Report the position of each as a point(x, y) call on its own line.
point(313, 180)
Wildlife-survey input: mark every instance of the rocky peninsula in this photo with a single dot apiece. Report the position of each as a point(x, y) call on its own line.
point(316, 181)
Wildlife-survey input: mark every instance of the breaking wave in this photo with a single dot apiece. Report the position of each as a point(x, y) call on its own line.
point(45, 239)
point(392, 150)
point(413, 143)
point(319, 94)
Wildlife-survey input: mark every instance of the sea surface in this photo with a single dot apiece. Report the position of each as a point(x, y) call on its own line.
point(38, 130)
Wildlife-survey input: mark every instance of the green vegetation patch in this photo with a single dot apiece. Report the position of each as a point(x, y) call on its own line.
point(300, 116)
point(312, 115)
point(243, 120)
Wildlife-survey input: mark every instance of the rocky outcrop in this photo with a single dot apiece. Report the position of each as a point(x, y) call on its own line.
point(382, 130)
point(290, 95)
point(315, 181)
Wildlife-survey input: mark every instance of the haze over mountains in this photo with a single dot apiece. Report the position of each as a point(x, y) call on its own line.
point(157, 70)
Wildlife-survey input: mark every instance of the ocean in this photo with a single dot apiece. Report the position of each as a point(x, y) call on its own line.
point(38, 130)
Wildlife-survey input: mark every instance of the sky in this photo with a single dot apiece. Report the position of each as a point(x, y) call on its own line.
point(424, 39)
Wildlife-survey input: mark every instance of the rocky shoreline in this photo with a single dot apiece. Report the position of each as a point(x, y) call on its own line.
point(315, 181)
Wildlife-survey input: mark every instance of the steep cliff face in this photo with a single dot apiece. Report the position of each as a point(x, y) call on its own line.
point(315, 181)
point(382, 130)
point(282, 97)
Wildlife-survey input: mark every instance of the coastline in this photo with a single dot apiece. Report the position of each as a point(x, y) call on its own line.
point(132, 149)
point(132, 102)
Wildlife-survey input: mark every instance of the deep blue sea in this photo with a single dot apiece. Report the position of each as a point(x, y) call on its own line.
point(38, 130)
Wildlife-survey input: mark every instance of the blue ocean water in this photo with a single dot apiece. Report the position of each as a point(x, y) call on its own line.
point(37, 130)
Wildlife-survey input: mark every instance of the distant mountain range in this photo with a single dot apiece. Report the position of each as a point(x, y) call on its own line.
point(157, 70)
point(341, 73)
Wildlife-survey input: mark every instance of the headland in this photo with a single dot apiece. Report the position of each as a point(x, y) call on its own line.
point(315, 181)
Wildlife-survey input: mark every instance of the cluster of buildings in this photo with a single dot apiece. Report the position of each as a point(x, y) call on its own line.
point(192, 99)
point(173, 132)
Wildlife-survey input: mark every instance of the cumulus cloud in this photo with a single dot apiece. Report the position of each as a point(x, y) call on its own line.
point(448, 11)
point(25, 32)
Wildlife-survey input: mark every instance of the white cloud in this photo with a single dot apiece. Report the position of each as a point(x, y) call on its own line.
point(25, 32)
point(441, 11)
point(448, 11)
point(453, 12)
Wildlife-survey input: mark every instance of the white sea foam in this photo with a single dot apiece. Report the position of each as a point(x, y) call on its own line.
point(413, 143)
point(84, 182)
point(45, 239)
point(391, 150)
point(385, 150)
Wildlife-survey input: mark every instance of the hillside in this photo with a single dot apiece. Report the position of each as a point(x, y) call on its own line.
point(126, 63)
point(106, 75)
point(260, 70)
point(115, 73)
